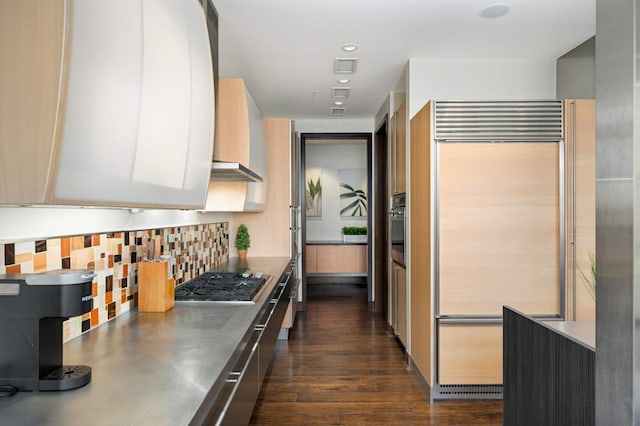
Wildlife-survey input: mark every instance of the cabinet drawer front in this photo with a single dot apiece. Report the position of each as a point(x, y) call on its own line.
point(470, 354)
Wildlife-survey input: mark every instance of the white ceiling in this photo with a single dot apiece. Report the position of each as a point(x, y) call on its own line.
point(284, 49)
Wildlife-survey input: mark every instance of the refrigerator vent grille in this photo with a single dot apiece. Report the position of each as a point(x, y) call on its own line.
point(467, 392)
point(498, 121)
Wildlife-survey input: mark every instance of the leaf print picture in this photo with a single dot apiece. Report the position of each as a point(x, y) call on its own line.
point(313, 193)
point(353, 192)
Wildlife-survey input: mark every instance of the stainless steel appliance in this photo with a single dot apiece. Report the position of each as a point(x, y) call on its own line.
point(398, 233)
point(222, 287)
point(32, 310)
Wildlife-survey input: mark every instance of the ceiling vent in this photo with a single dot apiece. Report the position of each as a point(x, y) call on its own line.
point(338, 111)
point(345, 65)
point(340, 92)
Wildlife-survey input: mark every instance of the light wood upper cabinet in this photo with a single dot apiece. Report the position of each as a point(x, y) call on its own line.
point(240, 138)
point(399, 152)
point(95, 117)
point(33, 35)
point(233, 132)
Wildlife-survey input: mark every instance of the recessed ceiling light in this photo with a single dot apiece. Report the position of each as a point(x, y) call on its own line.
point(495, 10)
point(343, 81)
point(349, 47)
point(338, 103)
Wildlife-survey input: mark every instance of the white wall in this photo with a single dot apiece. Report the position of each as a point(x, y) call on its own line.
point(331, 158)
point(25, 223)
point(335, 125)
point(473, 79)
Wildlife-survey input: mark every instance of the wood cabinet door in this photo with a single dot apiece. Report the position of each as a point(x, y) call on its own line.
point(341, 259)
point(470, 354)
point(499, 228)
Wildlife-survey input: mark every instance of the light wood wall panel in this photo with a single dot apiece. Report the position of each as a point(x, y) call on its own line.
point(269, 229)
point(470, 354)
point(580, 212)
point(499, 228)
point(421, 326)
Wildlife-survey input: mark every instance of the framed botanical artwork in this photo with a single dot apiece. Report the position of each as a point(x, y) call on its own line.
point(353, 192)
point(313, 192)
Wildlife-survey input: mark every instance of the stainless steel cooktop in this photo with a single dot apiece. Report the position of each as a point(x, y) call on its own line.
point(221, 287)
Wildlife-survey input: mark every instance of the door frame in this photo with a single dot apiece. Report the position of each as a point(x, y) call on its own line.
point(304, 137)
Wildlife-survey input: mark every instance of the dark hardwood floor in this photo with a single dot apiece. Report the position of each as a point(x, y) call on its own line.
point(342, 367)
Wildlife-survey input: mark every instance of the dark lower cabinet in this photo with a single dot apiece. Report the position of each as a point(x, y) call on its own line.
point(236, 400)
point(549, 377)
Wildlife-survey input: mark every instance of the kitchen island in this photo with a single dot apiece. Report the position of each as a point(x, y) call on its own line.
point(152, 368)
point(549, 371)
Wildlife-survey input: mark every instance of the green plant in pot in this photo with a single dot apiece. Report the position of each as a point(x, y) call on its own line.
point(354, 233)
point(243, 241)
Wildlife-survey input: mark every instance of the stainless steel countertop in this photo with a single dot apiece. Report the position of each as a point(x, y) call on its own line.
point(582, 332)
point(147, 368)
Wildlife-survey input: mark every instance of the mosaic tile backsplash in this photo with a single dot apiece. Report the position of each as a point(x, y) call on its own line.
point(114, 257)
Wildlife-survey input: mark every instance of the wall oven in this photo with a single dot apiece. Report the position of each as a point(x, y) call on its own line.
point(398, 228)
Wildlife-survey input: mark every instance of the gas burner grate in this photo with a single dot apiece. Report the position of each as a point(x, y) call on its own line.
point(219, 286)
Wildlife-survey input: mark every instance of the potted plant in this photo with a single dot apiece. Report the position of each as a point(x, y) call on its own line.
point(243, 242)
point(354, 234)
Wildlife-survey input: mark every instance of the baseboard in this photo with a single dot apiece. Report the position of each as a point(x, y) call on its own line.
point(424, 385)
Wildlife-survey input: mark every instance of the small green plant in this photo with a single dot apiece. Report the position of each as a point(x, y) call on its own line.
point(589, 279)
point(243, 241)
point(354, 230)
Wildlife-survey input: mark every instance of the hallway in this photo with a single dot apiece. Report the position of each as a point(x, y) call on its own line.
point(341, 366)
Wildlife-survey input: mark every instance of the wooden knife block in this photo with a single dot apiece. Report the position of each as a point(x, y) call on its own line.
point(155, 290)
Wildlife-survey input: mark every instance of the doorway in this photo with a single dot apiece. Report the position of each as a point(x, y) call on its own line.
point(317, 181)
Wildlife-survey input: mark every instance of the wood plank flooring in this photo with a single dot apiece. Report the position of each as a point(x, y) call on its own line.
point(342, 367)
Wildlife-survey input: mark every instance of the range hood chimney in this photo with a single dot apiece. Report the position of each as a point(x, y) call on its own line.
point(226, 171)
